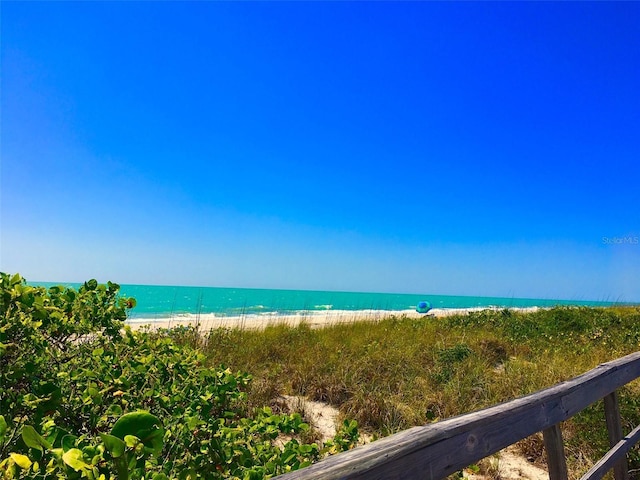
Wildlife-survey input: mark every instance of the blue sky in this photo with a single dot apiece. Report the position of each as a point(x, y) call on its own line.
point(420, 147)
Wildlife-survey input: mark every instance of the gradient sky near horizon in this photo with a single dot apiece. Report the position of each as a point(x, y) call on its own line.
point(484, 149)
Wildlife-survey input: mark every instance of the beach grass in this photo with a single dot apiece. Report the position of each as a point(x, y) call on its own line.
point(399, 372)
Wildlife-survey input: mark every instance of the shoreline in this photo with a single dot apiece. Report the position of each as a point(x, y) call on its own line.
point(314, 318)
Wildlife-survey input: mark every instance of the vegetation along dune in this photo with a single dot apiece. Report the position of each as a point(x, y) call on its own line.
point(86, 396)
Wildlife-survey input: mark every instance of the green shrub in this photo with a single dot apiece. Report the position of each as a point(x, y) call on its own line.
point(83, 396)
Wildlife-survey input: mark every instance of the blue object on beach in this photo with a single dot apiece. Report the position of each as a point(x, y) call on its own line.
point(423, 307)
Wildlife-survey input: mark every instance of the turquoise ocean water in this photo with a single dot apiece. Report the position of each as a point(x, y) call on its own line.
point(161, 302)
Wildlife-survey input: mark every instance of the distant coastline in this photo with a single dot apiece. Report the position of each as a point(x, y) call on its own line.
point(233, 306)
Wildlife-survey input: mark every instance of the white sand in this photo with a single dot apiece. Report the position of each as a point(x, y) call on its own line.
point(508, 464)
point(314, 319)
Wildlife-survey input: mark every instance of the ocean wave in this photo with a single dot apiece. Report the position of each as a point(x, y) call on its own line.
point(323, 307)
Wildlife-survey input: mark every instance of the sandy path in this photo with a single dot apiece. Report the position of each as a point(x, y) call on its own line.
point(507, 464)
point(322, 416)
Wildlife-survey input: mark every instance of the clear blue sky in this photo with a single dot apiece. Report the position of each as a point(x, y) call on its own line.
point(438, 148)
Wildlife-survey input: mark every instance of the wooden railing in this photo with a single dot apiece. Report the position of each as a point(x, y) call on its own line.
point(434, 451)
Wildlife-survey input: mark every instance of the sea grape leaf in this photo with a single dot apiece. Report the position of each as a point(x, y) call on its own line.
point(145, 426)
point(131, 441)
point(21, 460)
point(114, 445)
point(74, 459)
point(3, 429)
point(33, 439)
point(68, 442)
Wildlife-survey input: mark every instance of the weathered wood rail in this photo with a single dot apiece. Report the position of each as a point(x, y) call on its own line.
point(434, 451)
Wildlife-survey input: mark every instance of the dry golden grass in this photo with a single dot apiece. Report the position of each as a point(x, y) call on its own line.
point(399, 372)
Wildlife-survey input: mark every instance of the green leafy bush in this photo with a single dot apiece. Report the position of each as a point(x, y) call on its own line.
point(84, 396)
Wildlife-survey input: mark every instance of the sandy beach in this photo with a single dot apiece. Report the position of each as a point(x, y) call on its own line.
point(315, 319)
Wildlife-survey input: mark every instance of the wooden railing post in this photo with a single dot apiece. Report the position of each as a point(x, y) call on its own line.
point(554, 445)
point(614, 428)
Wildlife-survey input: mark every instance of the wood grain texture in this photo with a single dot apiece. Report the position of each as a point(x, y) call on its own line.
point(614, 429)
point(434, 451)
point(554, 445)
